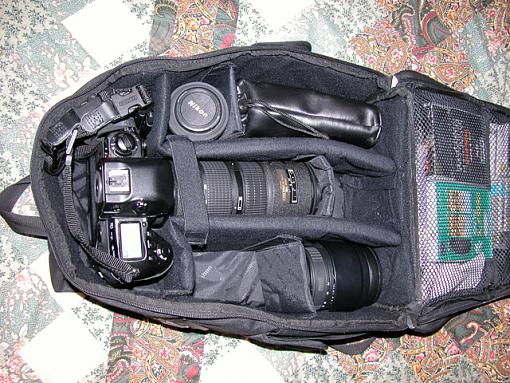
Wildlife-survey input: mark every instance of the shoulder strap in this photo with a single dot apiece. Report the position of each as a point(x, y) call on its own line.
point(119, 268)
point(21, 224)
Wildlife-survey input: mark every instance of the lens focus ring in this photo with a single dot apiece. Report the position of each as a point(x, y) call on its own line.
point(218, 186)
point(254, 187)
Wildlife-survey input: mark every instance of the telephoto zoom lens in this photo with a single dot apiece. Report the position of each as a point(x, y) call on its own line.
point(273, 188)
point(344, 276)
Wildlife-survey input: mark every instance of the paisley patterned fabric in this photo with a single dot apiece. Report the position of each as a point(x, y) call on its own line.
point(141, 351)
point(49, 48)
point(184, 28)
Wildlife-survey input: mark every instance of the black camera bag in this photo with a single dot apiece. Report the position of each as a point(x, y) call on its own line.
point(385, 203)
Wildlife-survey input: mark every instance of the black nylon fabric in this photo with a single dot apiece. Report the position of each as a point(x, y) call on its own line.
point(385, 167)
point(275, 278)
point(21, 224)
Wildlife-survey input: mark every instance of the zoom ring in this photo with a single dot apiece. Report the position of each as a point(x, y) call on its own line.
point(217, 181)
point(254, 188)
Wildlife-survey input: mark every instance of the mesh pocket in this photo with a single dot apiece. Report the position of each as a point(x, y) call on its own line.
point(499, 139)
point(454, 197)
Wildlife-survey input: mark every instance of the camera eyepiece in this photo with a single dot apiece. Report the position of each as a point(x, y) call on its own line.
point(344, 276)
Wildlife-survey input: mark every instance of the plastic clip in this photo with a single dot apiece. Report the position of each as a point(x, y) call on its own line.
point(70, 147)
point(98, 111)
point(126, 101)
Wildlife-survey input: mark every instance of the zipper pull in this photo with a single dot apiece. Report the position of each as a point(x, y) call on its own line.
point(394, 81)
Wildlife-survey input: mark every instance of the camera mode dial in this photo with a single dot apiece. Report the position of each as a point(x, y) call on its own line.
point(124, 144)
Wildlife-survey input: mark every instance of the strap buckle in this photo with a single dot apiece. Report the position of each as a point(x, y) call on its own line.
point(125, 101)
point(111, 106)
point(98, 111)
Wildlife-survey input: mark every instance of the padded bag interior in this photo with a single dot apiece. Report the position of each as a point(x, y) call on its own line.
point(373, 185)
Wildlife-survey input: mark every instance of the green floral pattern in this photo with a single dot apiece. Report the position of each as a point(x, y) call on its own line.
point(465, 44)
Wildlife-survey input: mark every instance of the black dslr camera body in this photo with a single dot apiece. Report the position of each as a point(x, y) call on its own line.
point(132, 196)
point(135, 194)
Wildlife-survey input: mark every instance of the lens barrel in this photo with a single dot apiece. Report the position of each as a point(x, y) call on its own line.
point(220, 188)
point(274, 188)
point(344, 276)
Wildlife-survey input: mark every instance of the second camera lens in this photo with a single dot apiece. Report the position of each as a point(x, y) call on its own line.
point(344, 276)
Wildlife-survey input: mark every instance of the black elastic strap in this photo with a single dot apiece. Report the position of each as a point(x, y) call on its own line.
point(21, 224)
point(191, 196)
point(119, 268)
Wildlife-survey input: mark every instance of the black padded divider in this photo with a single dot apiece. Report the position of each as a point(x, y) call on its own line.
point(187, 173)
point(236, 232)
point(161, 112)
point(352, 82)
point(343, 157)
point(223, 78)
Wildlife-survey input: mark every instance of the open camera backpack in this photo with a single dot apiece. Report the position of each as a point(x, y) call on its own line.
point(430, 198)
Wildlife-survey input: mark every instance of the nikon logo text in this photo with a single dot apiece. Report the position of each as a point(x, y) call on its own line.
point(197, 108)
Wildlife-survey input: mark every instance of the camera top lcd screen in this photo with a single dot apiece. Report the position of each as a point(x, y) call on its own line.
point(131, 241)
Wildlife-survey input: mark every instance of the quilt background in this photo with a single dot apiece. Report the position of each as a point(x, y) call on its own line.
point(48, 48)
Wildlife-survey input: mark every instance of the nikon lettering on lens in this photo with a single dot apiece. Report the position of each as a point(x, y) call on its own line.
point(198, 111)
point(273, 188)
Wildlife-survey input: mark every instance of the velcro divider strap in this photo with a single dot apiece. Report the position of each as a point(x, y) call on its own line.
point(191, 196)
